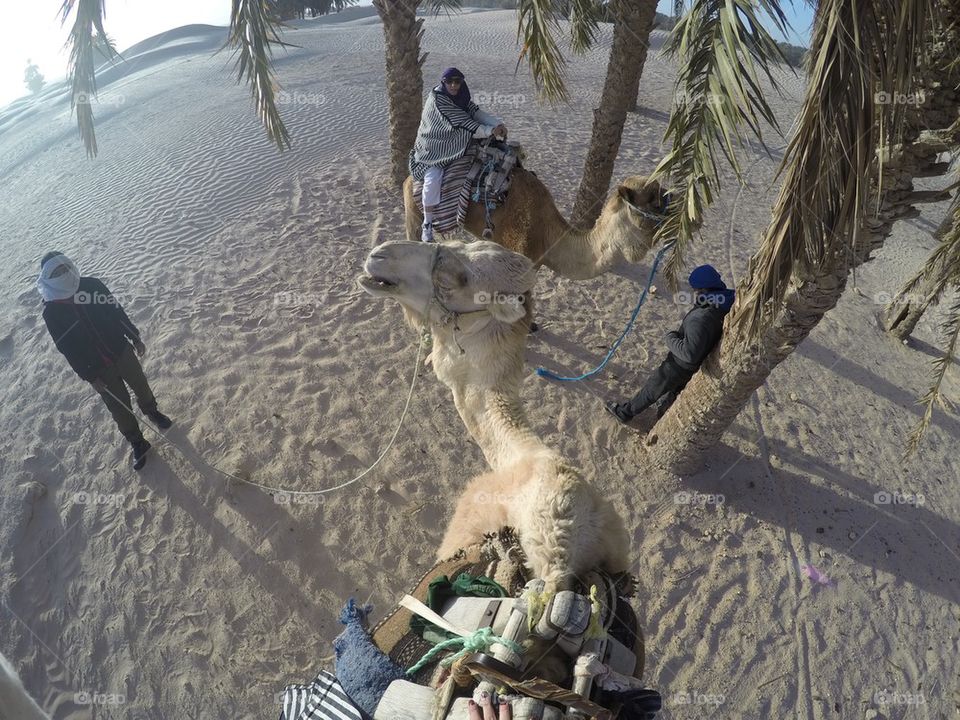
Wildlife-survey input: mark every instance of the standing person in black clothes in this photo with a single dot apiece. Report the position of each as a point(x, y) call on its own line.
point(91, 329)
point(689, 346)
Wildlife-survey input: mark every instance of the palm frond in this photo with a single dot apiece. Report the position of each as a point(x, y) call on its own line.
point(435, 7)
point(721, 45)
point(934, 395)
point(584, 23)
point(943, 261)
point(537, 30)
point(254, 31)
point(857, 49)
point(82, 44)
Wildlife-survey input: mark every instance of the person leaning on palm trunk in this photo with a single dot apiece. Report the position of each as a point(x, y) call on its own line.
point(688, 346)
point(93, 332)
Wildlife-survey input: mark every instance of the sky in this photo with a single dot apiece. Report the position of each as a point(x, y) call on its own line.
point(33, 31)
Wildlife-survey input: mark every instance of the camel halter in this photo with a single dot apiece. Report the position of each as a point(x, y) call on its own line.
point(652, 217)
point(448, 314)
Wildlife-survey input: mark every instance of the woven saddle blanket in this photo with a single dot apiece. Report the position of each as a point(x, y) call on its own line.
point(482, 175)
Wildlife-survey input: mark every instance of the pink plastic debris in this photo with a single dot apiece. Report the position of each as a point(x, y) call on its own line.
point(816, 575)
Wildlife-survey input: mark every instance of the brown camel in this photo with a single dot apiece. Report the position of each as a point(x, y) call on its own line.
point(530, 224)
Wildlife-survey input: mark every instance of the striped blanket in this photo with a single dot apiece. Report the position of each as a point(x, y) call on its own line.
point(454, 194)
point(323, 699)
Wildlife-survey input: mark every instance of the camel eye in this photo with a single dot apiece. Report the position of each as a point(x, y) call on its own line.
point(462, 279)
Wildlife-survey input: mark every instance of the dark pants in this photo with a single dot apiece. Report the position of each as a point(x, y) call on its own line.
point(127, 370)
point(664, 385)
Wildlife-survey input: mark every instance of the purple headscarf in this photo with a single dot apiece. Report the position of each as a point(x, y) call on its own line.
point(462, 98)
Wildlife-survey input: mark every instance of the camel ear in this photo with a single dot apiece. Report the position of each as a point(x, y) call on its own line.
point(509, 307)
point(625, 193)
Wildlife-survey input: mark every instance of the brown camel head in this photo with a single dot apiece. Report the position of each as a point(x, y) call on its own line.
point(642, 203)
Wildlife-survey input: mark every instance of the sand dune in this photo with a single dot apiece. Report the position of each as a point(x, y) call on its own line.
point(175, 593)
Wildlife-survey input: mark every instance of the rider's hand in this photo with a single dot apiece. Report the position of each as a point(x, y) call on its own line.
point(500, 131)
point(139, 347)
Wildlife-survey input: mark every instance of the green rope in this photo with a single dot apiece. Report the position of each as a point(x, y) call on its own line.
point(478, 641)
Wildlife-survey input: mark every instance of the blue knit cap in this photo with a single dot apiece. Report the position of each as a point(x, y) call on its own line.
point(706, 277)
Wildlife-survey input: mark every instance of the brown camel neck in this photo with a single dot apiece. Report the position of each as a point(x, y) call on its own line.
point(584, 254)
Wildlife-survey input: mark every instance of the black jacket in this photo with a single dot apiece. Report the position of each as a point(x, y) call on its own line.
point(90, 329)
point(700, 330)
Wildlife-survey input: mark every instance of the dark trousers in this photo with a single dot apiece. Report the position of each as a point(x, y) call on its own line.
point(127, 371)
point(664, 385)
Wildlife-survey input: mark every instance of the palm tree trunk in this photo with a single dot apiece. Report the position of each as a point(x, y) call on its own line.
point(904, 311)
point(729, 377)
point(633, 20)
point(402, 32)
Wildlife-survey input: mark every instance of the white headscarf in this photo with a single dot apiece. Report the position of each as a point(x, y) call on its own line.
point(62, 286)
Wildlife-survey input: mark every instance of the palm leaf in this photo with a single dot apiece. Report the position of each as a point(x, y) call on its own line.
point(82, 44)
point(537, 29)
point(934, 395)
point(857, 49)
point(584, 23)
point(435, 7)
point(254, 30)
point(723, 48)
point(945, 261)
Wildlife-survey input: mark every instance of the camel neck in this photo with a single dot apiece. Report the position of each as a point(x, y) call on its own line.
point(584, 254)
point(498, 423)
point(485, 380)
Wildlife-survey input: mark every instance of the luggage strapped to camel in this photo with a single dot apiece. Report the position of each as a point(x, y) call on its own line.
point(593, 627)
point(481, 175)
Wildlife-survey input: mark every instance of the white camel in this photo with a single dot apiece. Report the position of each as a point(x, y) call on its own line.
point(15, 703)
point(475, 298)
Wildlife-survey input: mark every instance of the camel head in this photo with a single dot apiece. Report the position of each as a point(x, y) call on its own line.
point(632, 214)
point(437, 282)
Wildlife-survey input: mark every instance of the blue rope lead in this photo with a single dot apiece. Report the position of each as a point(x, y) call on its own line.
point(543, 372)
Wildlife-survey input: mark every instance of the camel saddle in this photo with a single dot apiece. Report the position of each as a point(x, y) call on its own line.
point(481, 175)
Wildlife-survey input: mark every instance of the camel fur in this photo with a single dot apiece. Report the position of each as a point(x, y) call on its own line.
point(15, 702)
point(530, 224)
point(475, 299)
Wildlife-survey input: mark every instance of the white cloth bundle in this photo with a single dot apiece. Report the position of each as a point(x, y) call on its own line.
point(62, 286)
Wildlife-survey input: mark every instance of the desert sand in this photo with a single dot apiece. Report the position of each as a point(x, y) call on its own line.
point(178, 593)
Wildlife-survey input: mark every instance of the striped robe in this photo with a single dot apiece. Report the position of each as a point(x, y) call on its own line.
point(445, 131)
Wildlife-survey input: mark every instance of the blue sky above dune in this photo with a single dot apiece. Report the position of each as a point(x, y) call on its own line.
point(32, 30)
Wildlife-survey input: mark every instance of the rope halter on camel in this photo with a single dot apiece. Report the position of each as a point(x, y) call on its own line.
point(449, 316)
